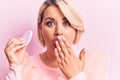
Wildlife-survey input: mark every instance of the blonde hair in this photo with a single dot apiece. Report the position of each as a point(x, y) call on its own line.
point(69, 11)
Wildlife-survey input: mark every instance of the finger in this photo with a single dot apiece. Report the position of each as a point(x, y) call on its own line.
point(82, 55)
point(59, 50)
point(13, 44)
point(22, 53)
point(15, 41)
point(63, 46)
point(68, 46)
point(57, 56)
point(10, 40)
point(12, 51)
point(16, 48)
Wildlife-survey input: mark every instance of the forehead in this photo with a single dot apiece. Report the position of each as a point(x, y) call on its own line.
point(54, 12)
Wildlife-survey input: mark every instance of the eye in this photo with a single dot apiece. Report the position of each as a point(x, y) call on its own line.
point(66, 23)
point(50, 23)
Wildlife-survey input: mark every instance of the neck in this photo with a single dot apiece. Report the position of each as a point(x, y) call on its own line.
point(49, 58)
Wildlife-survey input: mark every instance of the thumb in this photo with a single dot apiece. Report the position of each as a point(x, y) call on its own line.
point(82, 55)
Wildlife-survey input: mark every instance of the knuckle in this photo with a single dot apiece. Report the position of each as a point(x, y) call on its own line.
point(68, 46)
point(6, 49)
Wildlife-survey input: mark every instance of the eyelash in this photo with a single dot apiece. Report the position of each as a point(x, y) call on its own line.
point(51, 23)
point(64, 23)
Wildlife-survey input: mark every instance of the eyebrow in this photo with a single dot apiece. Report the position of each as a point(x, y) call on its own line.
point(64, 18)
point(50, 18)
point(54, 19)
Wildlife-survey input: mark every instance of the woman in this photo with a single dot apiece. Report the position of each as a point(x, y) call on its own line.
point(59, 26)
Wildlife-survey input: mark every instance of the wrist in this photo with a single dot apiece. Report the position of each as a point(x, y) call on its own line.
point(15, 66)
point(79, 76)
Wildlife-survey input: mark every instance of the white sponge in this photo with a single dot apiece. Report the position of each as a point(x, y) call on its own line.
point(27, 36)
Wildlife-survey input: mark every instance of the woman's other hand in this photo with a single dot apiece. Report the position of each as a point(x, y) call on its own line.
point(68, 62)
point(15, 51)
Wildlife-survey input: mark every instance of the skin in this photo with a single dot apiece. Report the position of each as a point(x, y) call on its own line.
point(15, 51)
point(55, 24)
point(59, 36)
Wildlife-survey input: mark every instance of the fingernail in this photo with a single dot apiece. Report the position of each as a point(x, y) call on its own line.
point(23, 41)
point(56, 42)
point(58, 37)
point(24, 44)
point(55, 49)
point(63, 38)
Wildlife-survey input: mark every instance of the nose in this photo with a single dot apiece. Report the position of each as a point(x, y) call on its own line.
point(59, 30)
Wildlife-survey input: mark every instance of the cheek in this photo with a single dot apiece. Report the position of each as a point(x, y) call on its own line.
point(70, 36)
point(47, 34)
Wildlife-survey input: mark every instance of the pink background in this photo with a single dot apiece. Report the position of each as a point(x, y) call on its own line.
point(101, 18)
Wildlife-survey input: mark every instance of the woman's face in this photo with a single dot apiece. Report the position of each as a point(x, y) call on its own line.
point(55, 24)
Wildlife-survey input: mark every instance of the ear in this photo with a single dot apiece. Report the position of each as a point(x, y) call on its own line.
point(82, 55)
point(77, 36)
